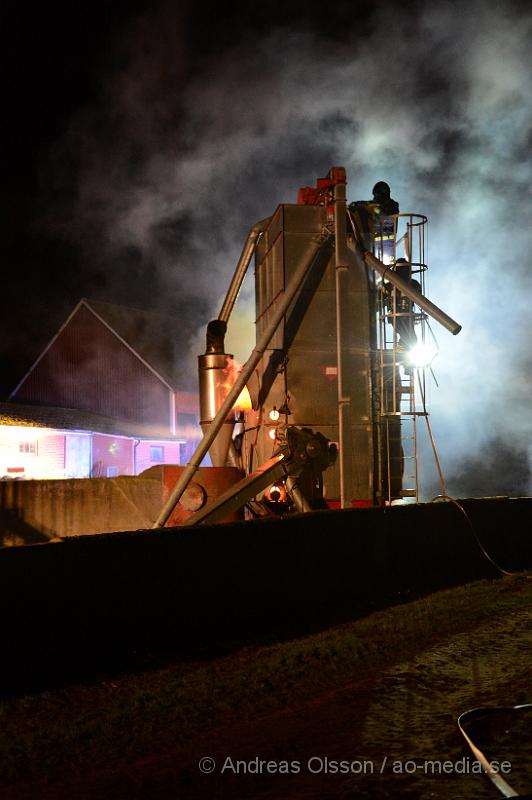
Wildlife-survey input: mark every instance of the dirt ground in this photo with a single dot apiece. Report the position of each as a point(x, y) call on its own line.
point(380, 725)
point(369, 738)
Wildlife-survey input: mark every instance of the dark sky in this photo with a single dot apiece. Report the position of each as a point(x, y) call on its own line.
point(50, 59)
point(142, 140)
point(61, 66)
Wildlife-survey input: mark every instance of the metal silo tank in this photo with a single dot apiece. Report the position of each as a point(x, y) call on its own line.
point(298, 371)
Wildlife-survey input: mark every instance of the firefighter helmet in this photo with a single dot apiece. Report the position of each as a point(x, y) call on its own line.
point(381, 190)
point(402, 266)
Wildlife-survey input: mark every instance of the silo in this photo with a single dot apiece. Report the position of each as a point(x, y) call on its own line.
point(296, 382)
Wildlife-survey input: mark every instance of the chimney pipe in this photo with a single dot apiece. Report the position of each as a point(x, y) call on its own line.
point(213, 388)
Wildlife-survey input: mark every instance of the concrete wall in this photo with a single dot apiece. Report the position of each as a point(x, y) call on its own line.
point(36, 511)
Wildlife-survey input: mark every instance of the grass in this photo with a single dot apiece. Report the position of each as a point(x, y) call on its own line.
point(116, 722)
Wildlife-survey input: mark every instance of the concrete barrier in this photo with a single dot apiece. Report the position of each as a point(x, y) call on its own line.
point(39, 510)
point(36, 511)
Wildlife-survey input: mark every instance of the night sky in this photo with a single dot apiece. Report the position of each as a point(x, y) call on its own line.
point(142, 140)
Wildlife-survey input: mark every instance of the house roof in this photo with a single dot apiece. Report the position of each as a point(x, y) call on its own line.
point(156, 338)
point(72, 419)
point(160, 341)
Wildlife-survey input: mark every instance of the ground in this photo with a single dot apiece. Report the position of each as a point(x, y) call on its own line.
point(381, 694)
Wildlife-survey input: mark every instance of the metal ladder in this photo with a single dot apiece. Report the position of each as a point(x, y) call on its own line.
point(397, 398)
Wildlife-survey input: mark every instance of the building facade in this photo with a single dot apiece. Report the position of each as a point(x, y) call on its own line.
point(101, 400)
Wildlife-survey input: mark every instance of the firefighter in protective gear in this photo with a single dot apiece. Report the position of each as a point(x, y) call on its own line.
point(377, 221)
point(403, 313)
point(382, 199)
point(383, 208)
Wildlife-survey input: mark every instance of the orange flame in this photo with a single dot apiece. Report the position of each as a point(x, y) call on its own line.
point(243, 401)
point(232, 371)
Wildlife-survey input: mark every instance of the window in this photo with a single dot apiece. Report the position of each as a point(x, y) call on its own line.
point(28, 447)
point(156, 453)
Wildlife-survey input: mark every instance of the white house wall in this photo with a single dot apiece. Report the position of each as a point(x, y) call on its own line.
point(28, 452)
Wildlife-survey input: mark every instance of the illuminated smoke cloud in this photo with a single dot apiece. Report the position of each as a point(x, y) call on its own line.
point(174, 170)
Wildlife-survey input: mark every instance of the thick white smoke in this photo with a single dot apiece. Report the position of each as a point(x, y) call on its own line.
point(175, 169)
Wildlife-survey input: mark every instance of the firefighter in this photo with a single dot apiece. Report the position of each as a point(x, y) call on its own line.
point(382, 209)
point(375, 219)
point(382, 200)
point(404, 307)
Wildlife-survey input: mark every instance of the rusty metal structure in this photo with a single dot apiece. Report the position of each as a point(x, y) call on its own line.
point(334, 391)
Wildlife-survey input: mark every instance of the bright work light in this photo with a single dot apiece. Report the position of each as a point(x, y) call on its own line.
point(421, 355)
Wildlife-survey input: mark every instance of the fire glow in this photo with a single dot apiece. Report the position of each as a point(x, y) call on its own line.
point(232, 371)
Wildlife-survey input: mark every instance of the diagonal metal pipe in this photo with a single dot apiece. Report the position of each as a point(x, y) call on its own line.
point(405, 288)
point(241, 268)
point(314, 246)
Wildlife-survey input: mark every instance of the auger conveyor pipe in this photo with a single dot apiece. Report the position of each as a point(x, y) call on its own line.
point(241, 268)
point(314, 246)
point(405, 288)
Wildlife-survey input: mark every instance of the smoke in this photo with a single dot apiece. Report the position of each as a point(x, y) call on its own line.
point(479, 246)
point(180, 156)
